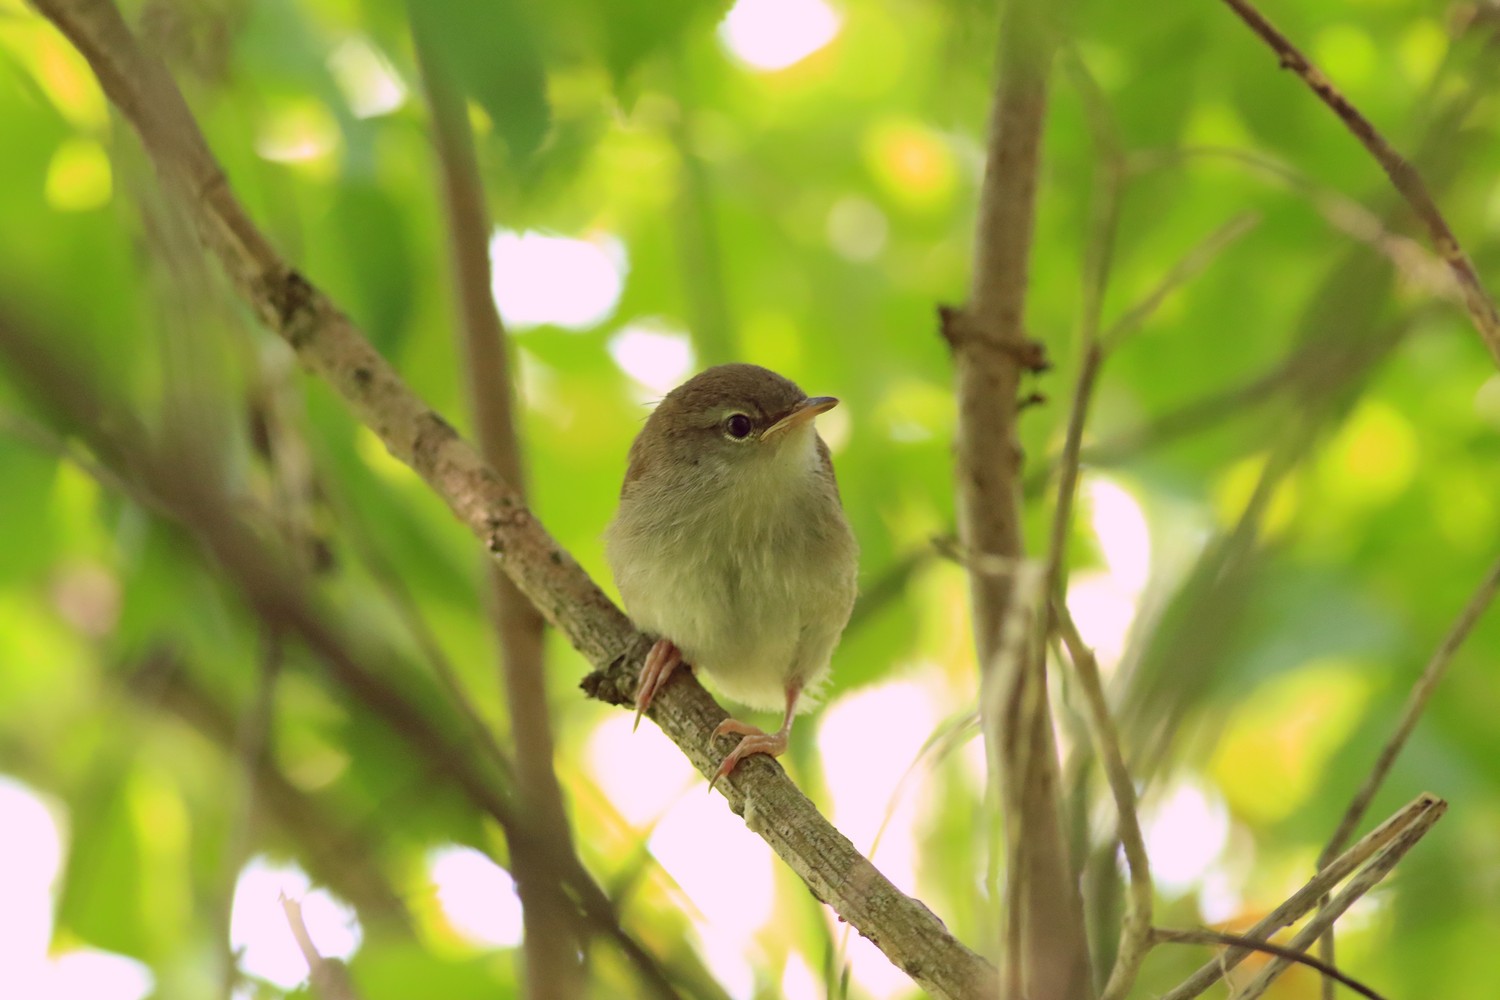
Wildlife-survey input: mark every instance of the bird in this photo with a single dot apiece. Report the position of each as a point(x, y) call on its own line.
point(731, 547)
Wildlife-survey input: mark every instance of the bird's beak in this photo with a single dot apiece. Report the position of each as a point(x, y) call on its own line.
point(802, 413)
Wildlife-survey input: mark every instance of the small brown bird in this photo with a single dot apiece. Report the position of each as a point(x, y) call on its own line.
point(731, 545)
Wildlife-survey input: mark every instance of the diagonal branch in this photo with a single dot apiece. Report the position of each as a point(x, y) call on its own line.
point(1403, 175)
point(1163, 935)
point(1404, 828)
point(1416, 702)
point(160, 479)
point(329, 344)
point(1369, 877)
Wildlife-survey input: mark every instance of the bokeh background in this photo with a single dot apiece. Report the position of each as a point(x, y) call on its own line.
point(1290, 484)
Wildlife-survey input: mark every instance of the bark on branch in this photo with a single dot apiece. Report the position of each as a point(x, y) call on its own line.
point(1047, 954)
point(331, 346)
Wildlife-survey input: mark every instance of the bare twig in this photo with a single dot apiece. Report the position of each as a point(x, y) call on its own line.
point(551, 948)
point(1403, 175)
point(331, 346)
point(1163, 935)
point(1185, 270)
point(1419, 815)
point(1361, 883)
point(330, 979)
point(1417, 265)
point(1135, 931)
point(1416, 702)
point(1135, 934)
point(1098, 258)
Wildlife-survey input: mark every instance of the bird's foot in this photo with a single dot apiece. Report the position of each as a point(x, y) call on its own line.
point(655, 672)
point(754, 741)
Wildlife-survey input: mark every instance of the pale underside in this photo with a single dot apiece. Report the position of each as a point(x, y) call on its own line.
point(737, 568)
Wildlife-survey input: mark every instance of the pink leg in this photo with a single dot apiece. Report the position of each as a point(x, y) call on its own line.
point(754, 740)
point(657, 670)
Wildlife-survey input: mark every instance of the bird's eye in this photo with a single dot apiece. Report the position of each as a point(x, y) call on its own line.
point(738, 426)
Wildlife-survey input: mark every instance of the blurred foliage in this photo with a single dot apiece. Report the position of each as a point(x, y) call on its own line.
point(808, 219)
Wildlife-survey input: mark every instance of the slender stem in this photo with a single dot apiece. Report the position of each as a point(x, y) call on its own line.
point(1403, 175)
point(551, 948)
point(1416, 702)
point(1164, 935)
point(1421, 812)
point(1135, 934)
point(1370, 876)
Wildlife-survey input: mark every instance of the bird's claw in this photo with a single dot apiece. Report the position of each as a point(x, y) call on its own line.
point(752, 741)
point(655, 672)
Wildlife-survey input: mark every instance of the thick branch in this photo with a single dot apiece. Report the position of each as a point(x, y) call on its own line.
point(988, 337)
point(1046, 941)
point(1403, 175)
point(331, 346)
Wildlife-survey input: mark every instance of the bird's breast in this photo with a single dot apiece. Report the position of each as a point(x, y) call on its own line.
point(752, 592)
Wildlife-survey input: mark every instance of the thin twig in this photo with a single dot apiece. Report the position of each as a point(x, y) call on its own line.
point(1420, 814)
point(1135, 934)
point(1185, 270)
point(1416, 702)
point(1403, 175)
point(551, 949)
point(1136, 929)
point(1419, 266)
point(1163, 935)
point(330, 979)
point(1098, 260)
point(1365, 880)
point(329, 344)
